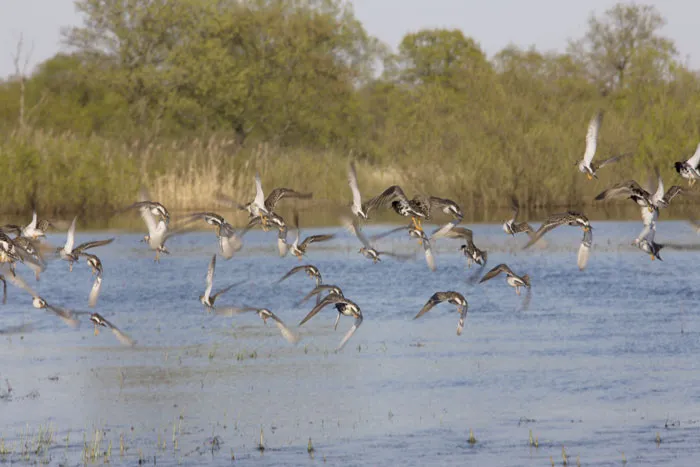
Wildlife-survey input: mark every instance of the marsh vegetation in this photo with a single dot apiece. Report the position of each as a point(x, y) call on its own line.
point(193, 96)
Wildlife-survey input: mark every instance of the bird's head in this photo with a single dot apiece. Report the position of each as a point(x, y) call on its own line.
point(356, 313)
point(97, 319)
point(38, 302)
point(265, 314)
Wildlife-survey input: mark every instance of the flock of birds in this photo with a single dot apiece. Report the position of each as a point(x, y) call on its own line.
point(27, 245)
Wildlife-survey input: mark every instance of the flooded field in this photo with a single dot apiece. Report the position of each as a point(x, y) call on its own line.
point(602, 364)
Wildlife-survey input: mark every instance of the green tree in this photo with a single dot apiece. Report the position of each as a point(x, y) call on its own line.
point(284, 70)
point(624, 41)
point(444, 56)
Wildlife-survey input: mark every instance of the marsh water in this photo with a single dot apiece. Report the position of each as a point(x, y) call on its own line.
point(602, 363)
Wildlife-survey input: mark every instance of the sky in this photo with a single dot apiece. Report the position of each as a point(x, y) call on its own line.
point(545, 24)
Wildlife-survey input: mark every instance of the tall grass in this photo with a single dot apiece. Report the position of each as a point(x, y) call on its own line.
point(61, 174)
point(65, 173)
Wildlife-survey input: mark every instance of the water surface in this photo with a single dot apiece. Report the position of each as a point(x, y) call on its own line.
point(599, 363)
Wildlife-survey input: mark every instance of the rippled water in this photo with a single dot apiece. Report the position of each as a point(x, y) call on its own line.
point(600, 362)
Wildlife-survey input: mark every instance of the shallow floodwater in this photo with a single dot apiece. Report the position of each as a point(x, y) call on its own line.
point(599, 363)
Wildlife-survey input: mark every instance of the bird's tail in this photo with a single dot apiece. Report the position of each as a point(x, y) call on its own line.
point(526, 279)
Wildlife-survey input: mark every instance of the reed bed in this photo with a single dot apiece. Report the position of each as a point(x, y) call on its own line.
point(66, 174)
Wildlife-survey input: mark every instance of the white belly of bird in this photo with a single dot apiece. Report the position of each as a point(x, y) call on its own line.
point(156, 240)
point(514, 282)
point(229, 246)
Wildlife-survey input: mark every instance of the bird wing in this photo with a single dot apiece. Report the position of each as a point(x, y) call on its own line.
point(259, 194)
point(294, 270)
point(95, 292)
point(374, 238)
point(70, 237)
point(592, 138)
point(695, 159)
point(496, 271)
point(228, 201)
point(622, 190)
point(441, 203)
point(672, 192)
point(282, 245)
point(385, 198)
point(429, 258)
point(122, 337)
point(462, 309)
point(229, 244)
point(524, 227)
point(515, 206)
point(149, 220)
point(179, 229)
point(144, 194)
point(352, 181)
point(66, 315)
point(287, 333)
point(226, 289)
point(445, 230)
point(353, 225)
point(584, 251)
point(315, 239)
point(658, 195)
point(327, 300)
point(17, 280)
point(233, 310)
point(398, 256)
point(143, 203)
point(92, 244)
point(613, 159)
point(295, 220)
point(317, 290)
point(279, 193)
point(210, 276)
point(437, 298)
point(226, 230)
point(553, 221)
point(208, 217)
point(12, 229)
point(348, 335)
point(30, 254)
point(457, 233)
